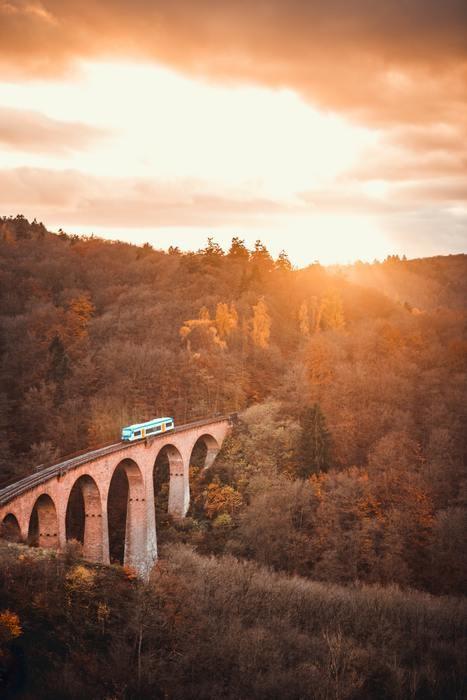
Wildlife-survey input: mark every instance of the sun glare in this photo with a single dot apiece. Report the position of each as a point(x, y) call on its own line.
point(239, 143)
point(329, 239)
point(162, 124)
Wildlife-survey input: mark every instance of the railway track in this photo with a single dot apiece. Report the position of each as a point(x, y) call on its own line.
point(28, 482)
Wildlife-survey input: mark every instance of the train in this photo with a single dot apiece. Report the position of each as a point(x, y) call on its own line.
point(138, 431)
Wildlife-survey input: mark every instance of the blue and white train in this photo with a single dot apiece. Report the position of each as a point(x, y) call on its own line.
point(138, 431)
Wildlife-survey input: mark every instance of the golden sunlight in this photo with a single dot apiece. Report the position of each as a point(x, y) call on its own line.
point(239, 144)
point(234, 285)
point(165, 125)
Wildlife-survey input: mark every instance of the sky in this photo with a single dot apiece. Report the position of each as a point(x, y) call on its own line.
point(334, 130)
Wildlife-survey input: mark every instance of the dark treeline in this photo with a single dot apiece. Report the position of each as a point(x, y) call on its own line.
point(346, 467)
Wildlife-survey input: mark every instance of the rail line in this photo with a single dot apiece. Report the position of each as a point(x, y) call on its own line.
point(28, 482)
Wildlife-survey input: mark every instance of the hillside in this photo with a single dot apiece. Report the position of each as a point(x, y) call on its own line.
point(217, 628)
point(341, 491)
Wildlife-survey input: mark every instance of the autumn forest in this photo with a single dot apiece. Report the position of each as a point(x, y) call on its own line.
point(323, 555)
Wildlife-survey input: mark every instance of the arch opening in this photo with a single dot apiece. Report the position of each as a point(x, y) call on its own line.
point(83, 520)
point(171, 488)
point(10, 529)
point(126, 515)
point(204, 452)
point(43, 523)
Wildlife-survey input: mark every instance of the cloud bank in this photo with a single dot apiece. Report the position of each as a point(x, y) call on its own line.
point(385, 62)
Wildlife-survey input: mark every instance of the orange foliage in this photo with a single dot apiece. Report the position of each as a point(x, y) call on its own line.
point(130, 573)
point(261, 324)
point(222, 499)
point(80, 312)
point(10, 627)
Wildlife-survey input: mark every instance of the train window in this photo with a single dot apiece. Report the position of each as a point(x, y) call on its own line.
point(137, 433)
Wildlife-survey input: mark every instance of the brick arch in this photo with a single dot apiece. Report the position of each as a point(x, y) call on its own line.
point(179, 495)
point(85, 506)
point(135, 524)
point(10, 529)
point(211, 448)
point(43, 523)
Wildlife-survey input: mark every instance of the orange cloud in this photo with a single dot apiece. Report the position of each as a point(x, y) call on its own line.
point(382, 61)
point(79, 198)
point(31, 131)
point(399, 66)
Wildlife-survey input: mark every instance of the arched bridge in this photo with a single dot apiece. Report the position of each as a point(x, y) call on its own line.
point(38, 507)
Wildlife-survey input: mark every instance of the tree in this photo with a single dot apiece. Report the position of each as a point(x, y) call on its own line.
point(144, 251)
point(80, 312)
point(222, 499)
point(38, 415)
point(10, 627)
point(238, 250)
point(332, 313)
point(201, 333)
point(316, 309)
point(226, 319)
point(303, 320)
point(275, 527)
point(315, 443)
point(59, 362)
point(261, 258)
point(261, 324)
point(283, 263)
point(212, 249)
point(59, 368)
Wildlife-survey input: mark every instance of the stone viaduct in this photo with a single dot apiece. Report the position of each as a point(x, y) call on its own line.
point(42, 499)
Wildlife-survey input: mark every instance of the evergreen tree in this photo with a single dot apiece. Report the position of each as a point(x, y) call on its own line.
point(283, 263)
point(238, 250)
point(213, 250)
point(315, 443)
point(59, 366)
point(261, 259)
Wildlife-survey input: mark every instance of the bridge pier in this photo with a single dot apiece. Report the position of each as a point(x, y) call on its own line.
point(61, 521)
point(151, 535)
point(105, 536)
point(179, 485)
point(140, 533)
point(93, 544)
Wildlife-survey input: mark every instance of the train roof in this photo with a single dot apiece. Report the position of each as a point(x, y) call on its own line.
point(153, 421)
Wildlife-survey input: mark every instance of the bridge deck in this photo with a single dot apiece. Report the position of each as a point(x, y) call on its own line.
point(39, 477)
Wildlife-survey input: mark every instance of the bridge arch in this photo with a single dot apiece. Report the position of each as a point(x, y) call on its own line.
point(83, 520)
point(10, 529)
point(169, 468)
point(126, 514)
point(204, 451)
point(43, 523)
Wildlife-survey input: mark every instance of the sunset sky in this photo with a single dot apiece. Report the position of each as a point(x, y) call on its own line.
point(336, 130)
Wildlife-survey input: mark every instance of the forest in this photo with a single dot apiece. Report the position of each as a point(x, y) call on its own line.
point(323, 555)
